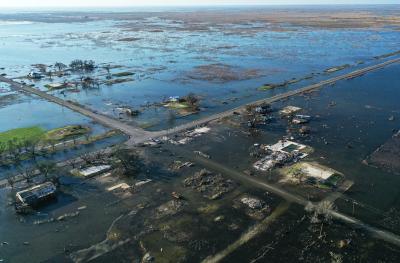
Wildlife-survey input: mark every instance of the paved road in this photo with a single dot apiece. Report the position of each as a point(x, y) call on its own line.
point(278, 97)
point(138, 135)
point(134, 132)
point(294, 198)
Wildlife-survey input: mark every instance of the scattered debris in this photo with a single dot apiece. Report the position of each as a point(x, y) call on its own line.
point(212, 186)
point(305, 130)
point(82, 208)
point(176, 195)
point(252, 202)
point(140, 183)
point(177, 165)
point(34, 75)
point(122, 186)
point(281, 153)
point(169, 208)
point(147, 258)
point(337, 68)
point(68, 215)
point(202, 154)
point(344, 243)
point(289, 110)
point(128, 111)
point(254, 207)
point(219, 219)
point(332, 104)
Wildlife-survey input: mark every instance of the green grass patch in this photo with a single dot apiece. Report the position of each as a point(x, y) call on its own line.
point(177, 105)
point(66, 132)
point(21, 135)
point(265, 87)
point(55, 86)
point(18, 137)
point(118, 81)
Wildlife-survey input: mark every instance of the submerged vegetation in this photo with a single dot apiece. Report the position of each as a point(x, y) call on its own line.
point(82, 65)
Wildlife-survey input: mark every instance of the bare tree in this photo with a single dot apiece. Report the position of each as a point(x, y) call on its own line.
point(60, 66)
point(47, 169)
point(108, 68)
point(128, 161)
point(29, 174)
point(11, 180)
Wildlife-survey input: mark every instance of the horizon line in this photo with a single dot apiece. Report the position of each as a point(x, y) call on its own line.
point(197, 5)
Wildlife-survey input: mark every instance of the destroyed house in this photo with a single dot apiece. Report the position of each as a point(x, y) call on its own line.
point(34, 75)
point(36, 194)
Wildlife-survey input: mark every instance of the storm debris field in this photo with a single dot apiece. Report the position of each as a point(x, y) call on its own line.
point(275, 181)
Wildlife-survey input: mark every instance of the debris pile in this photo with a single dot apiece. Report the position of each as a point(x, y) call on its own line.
point(258, 115)
point(170, 208)
point(254, 207)
point(188, 136)
point(177, 165)
point(212, 186)
point(289, 111)
point(279, 154)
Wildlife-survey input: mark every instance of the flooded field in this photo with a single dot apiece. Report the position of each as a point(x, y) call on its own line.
point(223, 62)
point(303, 179)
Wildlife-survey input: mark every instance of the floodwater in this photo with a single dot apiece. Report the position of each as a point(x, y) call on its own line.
point(163, 54)
point(349, 121)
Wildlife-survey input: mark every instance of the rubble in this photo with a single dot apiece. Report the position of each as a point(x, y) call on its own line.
point(253, 203)
point(68, 215)
point(147, 258)
point(202, 154)
point(279, 154)
point(289, 110)
point(177, 165)
point(170, 208)
point(305, 130)
point(219, 219)
point(128, 111)
point(212, 186)
point(254, 207)
point(301, 119)
point(188, 136)
point(176, 195)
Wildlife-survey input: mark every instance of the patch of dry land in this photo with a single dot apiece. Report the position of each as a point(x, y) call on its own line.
point(275, 19)
point(247, 20)
point(222, 73)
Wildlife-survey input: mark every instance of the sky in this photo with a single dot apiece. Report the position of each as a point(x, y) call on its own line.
point(116, 3)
